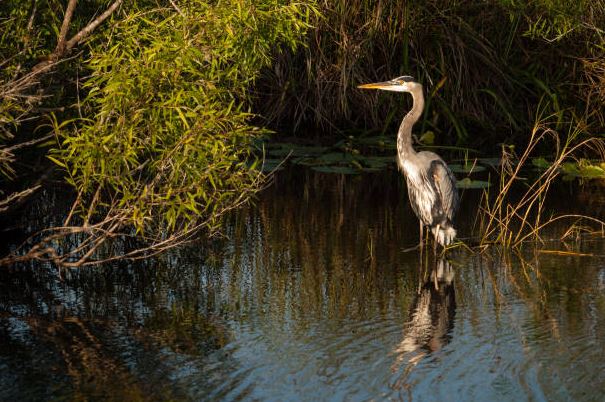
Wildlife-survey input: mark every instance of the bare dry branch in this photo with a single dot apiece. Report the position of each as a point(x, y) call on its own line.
point(32, 15)
point(64, 28)
point(177, 8)
point(6, 203)
point(77, 38)
point(43, 246)
point(25, 82)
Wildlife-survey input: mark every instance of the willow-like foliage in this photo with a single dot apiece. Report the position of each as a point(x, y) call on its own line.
point(166, 133)
point(161, 145)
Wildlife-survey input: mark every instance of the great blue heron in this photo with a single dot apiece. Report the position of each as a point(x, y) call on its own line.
point(431, 184)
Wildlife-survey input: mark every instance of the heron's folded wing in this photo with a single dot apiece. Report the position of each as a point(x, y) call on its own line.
point(445, 184)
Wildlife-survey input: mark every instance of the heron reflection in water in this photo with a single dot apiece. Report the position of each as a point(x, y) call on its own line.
point(431, 319)
point(431, 184)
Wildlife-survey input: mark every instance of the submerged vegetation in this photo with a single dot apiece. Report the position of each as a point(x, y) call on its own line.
point(157, 113)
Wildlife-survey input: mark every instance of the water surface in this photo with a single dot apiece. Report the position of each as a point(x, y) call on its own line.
point(310, 296)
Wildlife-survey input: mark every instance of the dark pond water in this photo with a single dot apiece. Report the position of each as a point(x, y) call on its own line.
point(311, 297)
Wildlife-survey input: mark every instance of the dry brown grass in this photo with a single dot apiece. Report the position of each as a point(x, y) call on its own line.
point(511, 219)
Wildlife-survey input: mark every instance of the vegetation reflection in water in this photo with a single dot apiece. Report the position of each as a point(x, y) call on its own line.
point(309, 297)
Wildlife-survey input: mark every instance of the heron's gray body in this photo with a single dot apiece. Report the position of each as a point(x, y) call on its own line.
point(432, 192)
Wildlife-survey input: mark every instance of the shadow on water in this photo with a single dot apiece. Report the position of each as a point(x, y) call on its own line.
point(309, 297)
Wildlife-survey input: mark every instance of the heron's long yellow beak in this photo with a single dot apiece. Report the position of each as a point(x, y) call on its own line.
point(377, 85)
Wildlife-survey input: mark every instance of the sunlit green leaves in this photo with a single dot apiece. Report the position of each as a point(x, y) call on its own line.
point(170, 134)
point(582, 170)
point(468, 183)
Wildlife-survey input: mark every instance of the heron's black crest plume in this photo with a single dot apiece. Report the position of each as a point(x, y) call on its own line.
point(405, 78)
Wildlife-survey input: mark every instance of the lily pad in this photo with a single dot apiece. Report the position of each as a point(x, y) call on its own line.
point(268, 165)
point(467, 183)
point(457, 168)
point(584, 171)
point(378, 141)
point(311, 149)
point(372, 169)
point(375, 162)
point(592, 172)
point(307, 161)
point(381, 159)
point(285, 149)
point(280, 152)
point(428, 138)
point(491, 162)
point(335, 157)
point(540, 163)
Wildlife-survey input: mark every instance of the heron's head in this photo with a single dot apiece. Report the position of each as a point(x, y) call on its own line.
point(404, 83)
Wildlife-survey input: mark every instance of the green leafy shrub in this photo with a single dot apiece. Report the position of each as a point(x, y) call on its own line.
point(165, 139)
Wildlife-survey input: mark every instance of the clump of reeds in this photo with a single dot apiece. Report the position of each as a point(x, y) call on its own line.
point(484, 65)
point(517, 212)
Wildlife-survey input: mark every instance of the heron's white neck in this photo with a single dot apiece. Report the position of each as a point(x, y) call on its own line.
point(404, 136)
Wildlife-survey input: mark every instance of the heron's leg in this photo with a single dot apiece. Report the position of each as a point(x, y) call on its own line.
point(436, 274)
point(421, 238)
point(435, 240)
